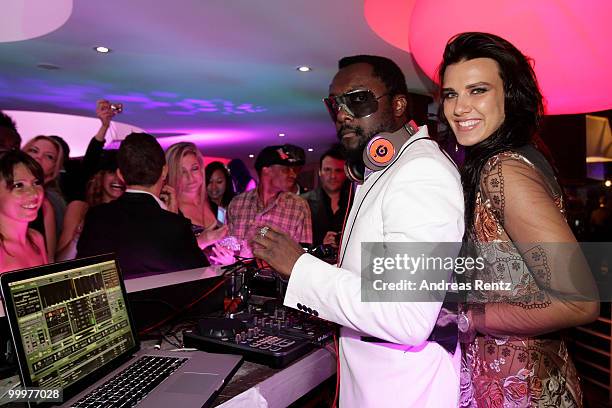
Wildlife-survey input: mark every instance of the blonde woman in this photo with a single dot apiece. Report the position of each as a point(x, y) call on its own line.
point(186, 176)
point(49, 154)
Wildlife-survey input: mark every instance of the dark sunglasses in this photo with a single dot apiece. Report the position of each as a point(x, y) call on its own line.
point(358, 104)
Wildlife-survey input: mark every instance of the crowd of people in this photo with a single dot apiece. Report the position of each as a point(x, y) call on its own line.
point(165, 211)
point(98, 205)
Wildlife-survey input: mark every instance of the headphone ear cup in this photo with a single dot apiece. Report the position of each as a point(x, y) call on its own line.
point(354, 171)
point(381, 151)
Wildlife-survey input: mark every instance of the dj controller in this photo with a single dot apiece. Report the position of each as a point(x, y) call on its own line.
point(269, 334)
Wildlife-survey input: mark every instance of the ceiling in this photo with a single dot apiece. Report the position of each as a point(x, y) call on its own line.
point(221, 73)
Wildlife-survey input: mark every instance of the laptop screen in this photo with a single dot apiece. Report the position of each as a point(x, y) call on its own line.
point(71, 320)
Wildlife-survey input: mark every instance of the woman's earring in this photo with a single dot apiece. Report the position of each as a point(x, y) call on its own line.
point(456, 147)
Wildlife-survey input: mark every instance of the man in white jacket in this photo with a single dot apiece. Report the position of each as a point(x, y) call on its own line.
point(386, 358)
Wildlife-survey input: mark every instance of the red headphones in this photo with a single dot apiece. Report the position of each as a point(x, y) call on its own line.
point(383, 148)
point(380, 151)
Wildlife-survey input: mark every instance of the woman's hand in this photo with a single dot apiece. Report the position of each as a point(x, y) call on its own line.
point(104, 112)
point(168, 196)
point(221, 255)
point(209, 237)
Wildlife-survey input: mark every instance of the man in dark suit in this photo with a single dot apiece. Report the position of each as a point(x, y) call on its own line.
point(147, 234)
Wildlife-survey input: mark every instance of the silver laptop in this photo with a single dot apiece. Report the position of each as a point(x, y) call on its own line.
point(72, 329)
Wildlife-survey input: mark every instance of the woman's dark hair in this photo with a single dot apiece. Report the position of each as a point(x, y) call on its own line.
point(228, 194)
point(94, 190)
point(8, 161)
point(523, 105)
point(240, 174)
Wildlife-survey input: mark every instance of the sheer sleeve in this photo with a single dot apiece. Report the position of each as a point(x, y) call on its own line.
point(523, 204)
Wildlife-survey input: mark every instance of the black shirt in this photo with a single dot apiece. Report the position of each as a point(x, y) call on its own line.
point(323, 219)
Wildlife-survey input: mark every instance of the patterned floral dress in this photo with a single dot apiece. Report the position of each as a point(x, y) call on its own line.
point(519, 370)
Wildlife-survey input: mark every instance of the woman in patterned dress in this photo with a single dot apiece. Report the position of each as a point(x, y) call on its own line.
point(516, 356)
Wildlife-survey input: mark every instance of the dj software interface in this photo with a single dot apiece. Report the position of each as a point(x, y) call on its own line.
point(71, 322)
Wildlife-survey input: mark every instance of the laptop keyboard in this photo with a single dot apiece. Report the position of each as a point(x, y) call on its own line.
point(132, 384)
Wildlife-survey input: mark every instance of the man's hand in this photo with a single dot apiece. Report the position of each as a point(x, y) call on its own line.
point(168, 196)
point(277, 249)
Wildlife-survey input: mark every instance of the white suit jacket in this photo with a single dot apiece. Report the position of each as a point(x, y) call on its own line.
point(418, 199)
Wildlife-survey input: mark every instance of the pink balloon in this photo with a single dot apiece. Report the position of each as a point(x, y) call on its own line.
point(568, 40)
point(387, 19)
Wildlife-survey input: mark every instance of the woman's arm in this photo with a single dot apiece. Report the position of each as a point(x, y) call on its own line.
point(75, 213)
point(210, 236)
point(519, 196)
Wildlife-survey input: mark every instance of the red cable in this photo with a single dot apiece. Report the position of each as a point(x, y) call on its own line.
point(232, 303)
point(336, 343)
point(337, 347)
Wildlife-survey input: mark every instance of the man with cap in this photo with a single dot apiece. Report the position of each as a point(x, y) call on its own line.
point(271, 203)
point(298, 153)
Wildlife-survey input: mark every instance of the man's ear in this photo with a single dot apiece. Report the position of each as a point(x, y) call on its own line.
point(164, 174)
point(399, 104)
point(120, 176)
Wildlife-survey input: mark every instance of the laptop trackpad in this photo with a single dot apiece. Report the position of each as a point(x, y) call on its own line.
point(194, 383)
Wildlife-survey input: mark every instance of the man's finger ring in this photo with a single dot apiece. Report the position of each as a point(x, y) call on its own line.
point(263, 231)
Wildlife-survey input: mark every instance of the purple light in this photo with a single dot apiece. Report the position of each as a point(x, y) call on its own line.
point(205, 137)
point(162, 94)
point(155, 105)
point(31, 91)
point(130, 98)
